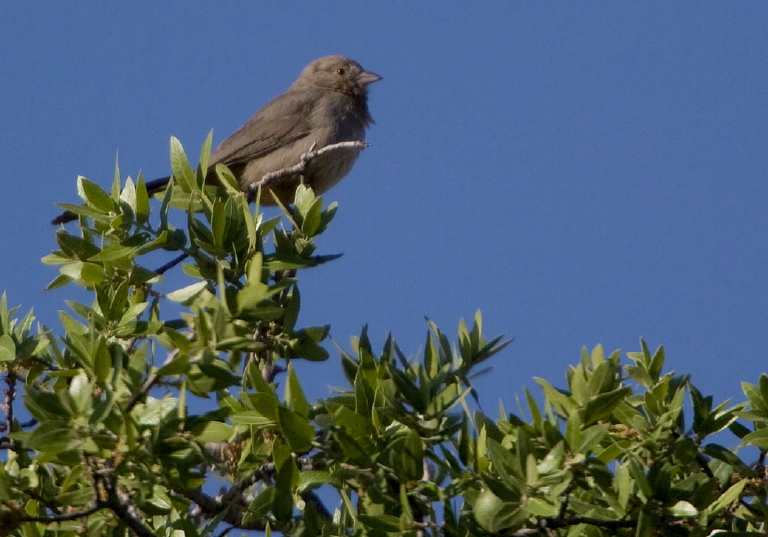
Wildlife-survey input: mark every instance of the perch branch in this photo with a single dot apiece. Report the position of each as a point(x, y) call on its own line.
point(301, 166)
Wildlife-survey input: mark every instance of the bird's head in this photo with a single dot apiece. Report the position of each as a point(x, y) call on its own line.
point(337, 73)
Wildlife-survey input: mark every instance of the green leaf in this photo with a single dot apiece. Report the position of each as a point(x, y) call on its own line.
point(758, 439)
point(114, 253)
point(509, 488)
point(53, 437)
point(102, 360)
point(254, 290)
point(128, 198)
point(641, 480)
point(408, 389)
point(601, 406)
point(89, 273)
point(153, 411)
point(116, 178)
point(252, 417)
point(727, 498)
point(205, 153)
point(102, 409)
point(406, 456)
point(327, 216)
point(313, 479)
point(591, 438)
point(307, 348)
point(762, 382)
point(158, 503)
point(142, 201)
point(7, 348)
point(218, 219)
point(188, 292)
point(312, 218)
point(294, 394)
point(495, 515)
point(386, 523)
point(182, 171)
point(94, 195)
point(297, 431)
point(132, 312)
point(80, 393)
point(259, 507)
point(75, 247)
point(227, 178)
point(59, 281)
point(177, 366)
point(683, 509)
point(287, 475)
point(166, 204)
point(215, 431)
point(562, 402)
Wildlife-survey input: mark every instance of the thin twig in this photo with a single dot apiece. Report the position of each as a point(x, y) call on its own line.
point(172, 263)
point(301, 166)
point(227, 530)
point(267, 471)
point(52, 519)
point(212, 507)
point(10, 396)
point(232, 500)
point(120, 504)
point(151, 381)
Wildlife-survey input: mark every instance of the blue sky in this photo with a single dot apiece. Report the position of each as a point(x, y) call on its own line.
point(583, 173)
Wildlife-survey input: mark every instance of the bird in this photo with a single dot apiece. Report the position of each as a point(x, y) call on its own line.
point(327, 104)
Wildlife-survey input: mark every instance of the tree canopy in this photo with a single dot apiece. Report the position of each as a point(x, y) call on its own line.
point(179, 412)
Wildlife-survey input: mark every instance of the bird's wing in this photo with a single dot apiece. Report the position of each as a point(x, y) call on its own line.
point(280, 122)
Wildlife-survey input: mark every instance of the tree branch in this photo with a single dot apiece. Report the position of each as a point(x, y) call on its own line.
point(232, 500)
point(52, 519)
point(548, 524)
point(212, 507)
point(10, 396)
point(172, 263)
point(301, 166)
point(151, 381)
point(120, 504)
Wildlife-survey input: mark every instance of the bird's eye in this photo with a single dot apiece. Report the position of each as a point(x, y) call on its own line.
point(341, 71)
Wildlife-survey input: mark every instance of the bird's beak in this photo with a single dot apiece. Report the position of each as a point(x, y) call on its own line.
point(367, 77)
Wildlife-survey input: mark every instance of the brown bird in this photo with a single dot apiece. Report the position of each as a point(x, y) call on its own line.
point(327, 104)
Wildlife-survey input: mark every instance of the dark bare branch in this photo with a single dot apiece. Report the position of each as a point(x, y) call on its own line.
point(52, 519)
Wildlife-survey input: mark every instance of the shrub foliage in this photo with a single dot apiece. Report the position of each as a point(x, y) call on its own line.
point(176, 412)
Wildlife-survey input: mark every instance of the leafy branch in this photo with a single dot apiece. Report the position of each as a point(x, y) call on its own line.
point(173, 380)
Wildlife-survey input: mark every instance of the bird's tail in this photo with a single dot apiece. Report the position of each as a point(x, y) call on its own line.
point(153, 187)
